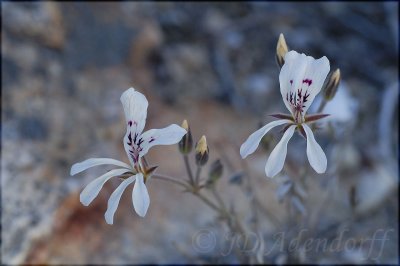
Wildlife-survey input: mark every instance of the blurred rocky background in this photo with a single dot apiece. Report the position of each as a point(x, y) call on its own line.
point(65, 65)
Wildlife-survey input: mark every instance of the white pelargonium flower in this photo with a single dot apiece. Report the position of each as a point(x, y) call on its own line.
point(136, 145)
point(301, 79)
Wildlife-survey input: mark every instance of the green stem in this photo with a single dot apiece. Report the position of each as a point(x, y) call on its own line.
point(188, 169)
point(171, 179)
point(322, 105)
point(206, 200)
point(218, 197)
point(198, 171)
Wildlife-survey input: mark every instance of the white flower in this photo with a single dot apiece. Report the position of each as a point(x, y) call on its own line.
point(301, 79)
point(136, 145)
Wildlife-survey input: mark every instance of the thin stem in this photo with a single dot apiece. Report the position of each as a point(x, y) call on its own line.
point(254, 199)
point(171, 179)
point(322, 105)
point(188, 169)
point(198, 171)
point(206, 201)
point(218, 197)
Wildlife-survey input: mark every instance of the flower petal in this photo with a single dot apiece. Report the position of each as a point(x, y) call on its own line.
point(130, 148)
point(278, 155)
point(252, 142)
point(115, 198)
point(291, 75)
point(82, 166)
point(135, 108)
point(302, 75)
point(164, 136)
point(91, 191)
point(316, 73)
point(140, 196)
point(315, 154)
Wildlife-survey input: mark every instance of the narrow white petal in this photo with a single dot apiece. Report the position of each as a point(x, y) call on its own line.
point(164, 136)
point(278, 155)
point(91, 191)
point(115, 198)
point(82, 166)
point(135, 107)
point(252, 142)
point(140, 196)
point(315, 154)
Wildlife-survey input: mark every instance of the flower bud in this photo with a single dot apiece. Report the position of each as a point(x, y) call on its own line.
point(202, 151)
point(215, 173)
point(332, 85)
point(281, 50)
point(186, 143)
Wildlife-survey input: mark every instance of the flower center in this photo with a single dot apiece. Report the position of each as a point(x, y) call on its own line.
point(135, 146)
point(297, 100)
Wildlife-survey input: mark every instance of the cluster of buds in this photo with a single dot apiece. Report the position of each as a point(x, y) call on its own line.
point(202, 152)
point(201, 148)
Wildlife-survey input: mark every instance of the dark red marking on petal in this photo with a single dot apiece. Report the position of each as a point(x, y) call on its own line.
point(308, 81)
point(299, 91)
point(151, 140)
point(291, 82)
point(305, 96)
point(130, 123)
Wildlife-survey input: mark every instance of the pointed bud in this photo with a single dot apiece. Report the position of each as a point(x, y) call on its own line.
point(202, 151)
point(332, 85)
point(281, 50)
point(186, 143)
point(215, 173)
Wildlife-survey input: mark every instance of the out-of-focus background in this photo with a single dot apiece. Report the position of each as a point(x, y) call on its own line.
point(65, 65)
